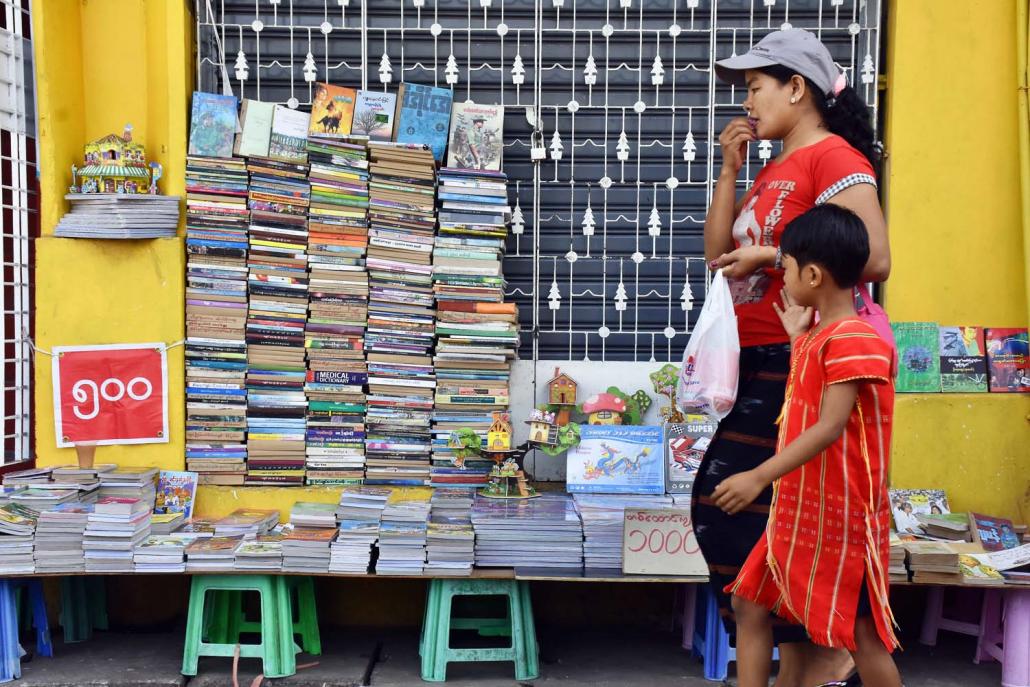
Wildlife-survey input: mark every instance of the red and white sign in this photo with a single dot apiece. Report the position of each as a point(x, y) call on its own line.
point(110, 394)
point(660, 542)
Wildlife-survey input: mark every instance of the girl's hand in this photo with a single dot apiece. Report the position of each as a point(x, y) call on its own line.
point(796, 319)
point(744, 261)
point(736, 493)
point(733, 140)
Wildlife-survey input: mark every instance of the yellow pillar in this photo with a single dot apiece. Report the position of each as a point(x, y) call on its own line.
point(954, 216)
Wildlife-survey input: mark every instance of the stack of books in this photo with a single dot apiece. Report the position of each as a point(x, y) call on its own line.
point(212, 553)
point(113, 530)
point(603, 519)
point(31, 476)
point(308, 514)
point(44, 496)
point(335, 331)
point(246, 522)
point(7, 492)
point(263, 553)
point(86, 480)
point(401, 321)
point(119, 216)
point(450, 538)
point(17, 529)
point(278, 306)
point(161, 553)
point(947, 526)
point(59, 535)
point(897, 570)
point(306, 549)
point(402, 535)
point(933, 562)
point(359, 514)
point(166, 523)
point(129, 482)
point(216, 315)
point(544, 532)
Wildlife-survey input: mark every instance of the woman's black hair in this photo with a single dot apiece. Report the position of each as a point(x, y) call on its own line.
point(846, 115)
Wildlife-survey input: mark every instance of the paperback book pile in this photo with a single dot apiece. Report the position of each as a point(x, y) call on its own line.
point(246, 522)
point(544, 532)
point(306, 514)
point(113, 530)
point(897, 570)
point(7, 492)
point(17, 527)
point(216, 317)
point(402, 221)
point(359, 514)
point(43, 496)
point(119, 216)
point(31, 476)
point(450, 539)
point(263, 553)
point(603, 517)
point(277, 312)
point(335, 331)
point(212, 553)
point(306, 549)
point(402, 536)
point(166, 523)
point(161, 553)
point(59, 537)
point(946, 526)
point(86, 480)
point(129, 482)
point(933, 562)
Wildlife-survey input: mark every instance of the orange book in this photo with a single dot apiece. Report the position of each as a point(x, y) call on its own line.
point(332, 111)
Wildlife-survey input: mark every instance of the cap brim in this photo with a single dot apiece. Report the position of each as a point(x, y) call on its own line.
point(731, 70)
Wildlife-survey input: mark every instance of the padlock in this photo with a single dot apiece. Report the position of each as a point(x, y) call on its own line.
point(537, 150)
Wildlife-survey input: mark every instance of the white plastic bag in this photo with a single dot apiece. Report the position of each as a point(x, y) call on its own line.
point(711, 361)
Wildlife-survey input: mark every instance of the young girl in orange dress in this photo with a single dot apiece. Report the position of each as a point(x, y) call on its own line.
point(823, 560)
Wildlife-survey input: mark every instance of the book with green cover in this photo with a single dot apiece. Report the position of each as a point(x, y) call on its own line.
point(919, 368)
point(256, 124)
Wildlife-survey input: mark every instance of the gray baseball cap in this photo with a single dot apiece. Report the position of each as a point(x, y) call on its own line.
point(797, 49)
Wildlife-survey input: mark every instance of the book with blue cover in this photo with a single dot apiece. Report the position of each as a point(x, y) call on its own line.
point(212, 125)
point(616, 459)
point(423, 116)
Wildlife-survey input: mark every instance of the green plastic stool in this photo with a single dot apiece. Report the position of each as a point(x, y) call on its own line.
point(276, 649)
point(437, 624)
point(83, 607)
point(226, 618)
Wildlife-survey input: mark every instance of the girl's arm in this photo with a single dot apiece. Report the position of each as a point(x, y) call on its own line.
point(737, 492)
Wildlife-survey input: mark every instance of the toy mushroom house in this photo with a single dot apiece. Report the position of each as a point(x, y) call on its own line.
point(561, 392)
point(604, 409)
point(542, 427)
point(115, 164)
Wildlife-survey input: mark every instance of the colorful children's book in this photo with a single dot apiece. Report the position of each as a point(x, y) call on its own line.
point(423, 116)
point(963, 359)
point(373, 115)
point(176, 492)
point(685, 446)
point(256, 124)
point(289, 140)
point(213, 546)
point(212, 125)
point(332, 111)
point(1008, 356)
point(477, 136)
point(978, 572)
point(919, 357)
point(993, 534)
point(616, 459)
point(906, 504)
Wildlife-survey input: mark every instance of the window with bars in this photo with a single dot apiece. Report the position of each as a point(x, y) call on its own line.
point(19, 225)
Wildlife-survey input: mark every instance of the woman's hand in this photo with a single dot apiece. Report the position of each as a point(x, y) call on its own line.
point(736, 493)
point(796, 319)
point(744, 261)
point(733, 140)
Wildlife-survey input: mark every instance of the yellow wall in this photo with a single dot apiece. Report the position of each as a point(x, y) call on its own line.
point(102, 64)
point(956, 239)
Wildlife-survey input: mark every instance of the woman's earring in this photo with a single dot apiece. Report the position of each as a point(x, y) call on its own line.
point(793, 100)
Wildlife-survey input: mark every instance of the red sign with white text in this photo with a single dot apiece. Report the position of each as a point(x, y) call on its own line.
point(110, 394)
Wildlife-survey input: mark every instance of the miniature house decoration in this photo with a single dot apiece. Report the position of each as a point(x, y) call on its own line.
point(604, 409)
point(115, 164)
point(542, 427)
point(562, 389)
point(498, 437)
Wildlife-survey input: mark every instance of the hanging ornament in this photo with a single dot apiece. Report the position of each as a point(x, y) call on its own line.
point(554, 296)
point(556, 146)
point(274, 2)
point(485, 3)
point(764, 150)
point(419, 3)
point(588, 222)
point(687, 297)
point(590, 71)
point(450, 71)
point(518, 225)
point(558, 3)
point(242, 69)
point(310, 71)
point(625, 4)
point(769, 3)
point(692, 4)
point(518, 72)
point(620, 297)
point(868, 69)
point(689, 148)
point(343, 3)
point(622, 147)
point(385, 69)
point(654, 222)
point(657, 72)
point(836, 3)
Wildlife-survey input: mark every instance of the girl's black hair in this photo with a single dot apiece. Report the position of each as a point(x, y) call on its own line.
point(831, 236)
point(847, 115)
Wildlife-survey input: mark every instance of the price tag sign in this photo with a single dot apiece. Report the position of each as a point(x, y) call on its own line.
point(110, 394)
point(660, 542)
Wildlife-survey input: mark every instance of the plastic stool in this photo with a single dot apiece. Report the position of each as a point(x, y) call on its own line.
point(226, 617)
point(36, 608)
point(276, 649)
point(437, 624)
point(1015, 665)
point(10, 652)
point(987, 630)
point(83, 607)
point(712, 642)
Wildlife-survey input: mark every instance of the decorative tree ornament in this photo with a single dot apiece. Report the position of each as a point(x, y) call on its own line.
point(590, 71)
point(654, 222)
point(687, 297)
point(554, 296)
point(588, 222)
point(242, 68)
point(451, 70)
point(868, 69)
point(689, 148)
point(764, 150)
point(518, 71)
point(518, 225)
point(310, 70)
point(622, 147)
point(657, 72)
point(620, 297)
point(556, 146)
point(385, 69)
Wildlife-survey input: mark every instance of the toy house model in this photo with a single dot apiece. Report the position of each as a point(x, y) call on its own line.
point(115, 164)
point(604, 409)
point(498, 437)
point(562, 389)
point(542, 427)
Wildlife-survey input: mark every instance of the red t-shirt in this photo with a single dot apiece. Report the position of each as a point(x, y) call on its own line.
point(810, 176)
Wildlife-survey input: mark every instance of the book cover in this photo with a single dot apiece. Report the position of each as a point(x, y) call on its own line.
point(476, 136)
point(974, 570)
point(289, 138)
point(993, 534)
point(613, 459)
point(332, 111)
point(963, 359)
point(176, 492)
point(685, 446)
point(212, 125)
point(373, 115)
point(919, 357)
point(256, 124)
point(906, 504)
point(423, 116)
point(1008, 358)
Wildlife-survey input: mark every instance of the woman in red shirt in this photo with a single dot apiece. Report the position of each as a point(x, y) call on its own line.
point(795, 94)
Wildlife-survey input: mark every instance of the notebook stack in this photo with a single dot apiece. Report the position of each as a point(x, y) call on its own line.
point(544, 532)
point(120, 215)
point(450, 538)
point(212, 553)
point(402, 535)
point(306, 549)
point(603, 522)
point(278, 306)
point(161, 553)
point(216, 315)
point(246, 522)
point(130, 483)
point(17, 527)
point(263, 553)
point(113, 530)
point(401, 329)
point(359, 514)
point(59, 537)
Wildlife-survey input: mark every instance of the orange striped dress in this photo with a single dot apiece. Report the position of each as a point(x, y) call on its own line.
point(829, 526)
